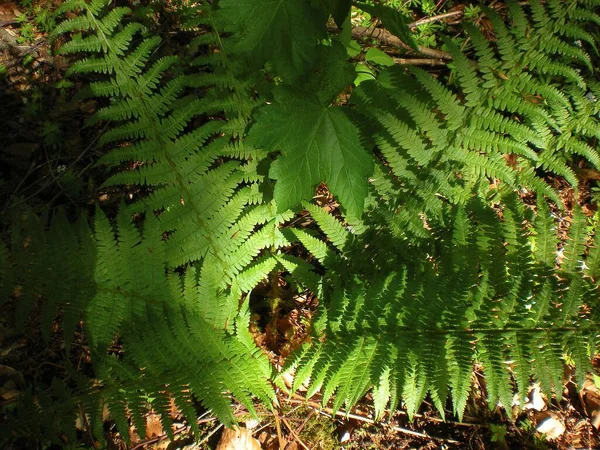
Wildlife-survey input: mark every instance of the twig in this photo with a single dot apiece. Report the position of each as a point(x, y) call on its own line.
point(86, 423)
point(278, 427)
point(420, 62)
point(289, 427)
point(164, 436)
point(10, 22)
point(205, 440)
point(437, 18)
point(302, 400)
point(301, 427)
point(346, 414)
point(156, 439)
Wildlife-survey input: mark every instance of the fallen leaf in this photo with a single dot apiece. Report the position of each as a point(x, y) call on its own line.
point(549, 424)
point(153, 426)
point(536, 400)
point(288, 379)
point(590, 398)
point(263, 437)
point(88, 107)
point(12, 377)
point(238, 439)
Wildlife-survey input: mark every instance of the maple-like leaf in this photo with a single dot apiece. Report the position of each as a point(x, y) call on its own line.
point(330, 74)
point(283, 32)
point(318, 144)
point(339, 10)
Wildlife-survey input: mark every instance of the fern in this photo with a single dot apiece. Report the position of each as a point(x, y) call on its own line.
point(211, 212)
point(466, 281)
point(432, 304)
point(438, 260)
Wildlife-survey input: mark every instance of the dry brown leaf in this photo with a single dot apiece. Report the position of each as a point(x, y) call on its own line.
point(238, 439)
point(174, 409)
point(590, 398)
point(88, 107)
point(11, 383)
point(153, 426)
point(8, 374)
point(536, 399)
point(82, 422)
point(8, 392)
point(550, 424)
point(263, 437)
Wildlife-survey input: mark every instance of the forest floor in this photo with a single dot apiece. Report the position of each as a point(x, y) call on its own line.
point(41, 136)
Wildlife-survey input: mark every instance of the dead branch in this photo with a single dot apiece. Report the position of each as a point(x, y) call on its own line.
point(388, 38)
point(438, 18)
point(420, 62)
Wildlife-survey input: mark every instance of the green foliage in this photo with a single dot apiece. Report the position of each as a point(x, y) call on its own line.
point(410, 318)
point(293, 26)
point(378, 57)
point(440, 258)
point(318, 144)
point(35, 19)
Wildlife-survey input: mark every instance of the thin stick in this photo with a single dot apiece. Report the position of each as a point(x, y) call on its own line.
point(310, 414)
point(156, 439)
point(47, 185)
point(346, 414)
point(177, 431)
point(371, 421)
point(289, 427)
point(419, 62)
point(300, 399)
point(278, 427)
point(205, 440)
point(437, 18)
point(85, 422)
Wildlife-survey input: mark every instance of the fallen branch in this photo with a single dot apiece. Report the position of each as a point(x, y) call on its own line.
point(388, 38)
point(420, 62)
point(418, 416)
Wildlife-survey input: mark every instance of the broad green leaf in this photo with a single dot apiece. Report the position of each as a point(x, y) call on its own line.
point(330, 74)
point(363, 73)
point(392, 20)
point(282, 32)
point(339, 10)
point(353, 48)
point(378, 57)
point(318, 144)
point(345, 34)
